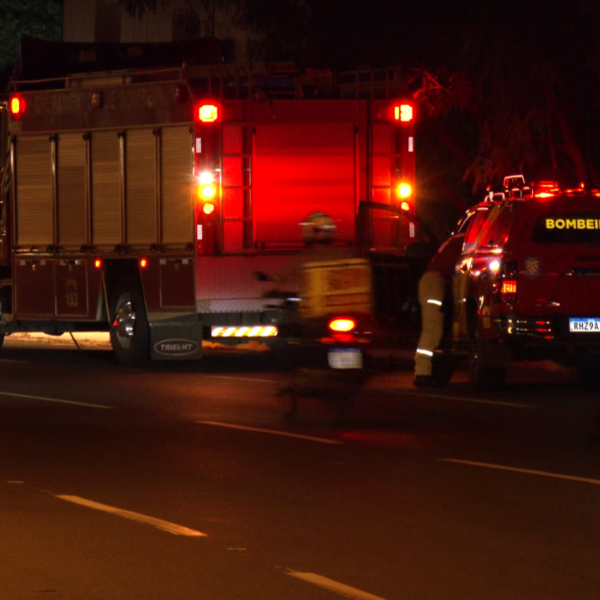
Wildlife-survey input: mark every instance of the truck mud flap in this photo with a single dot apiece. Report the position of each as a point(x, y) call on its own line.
point(175, 339)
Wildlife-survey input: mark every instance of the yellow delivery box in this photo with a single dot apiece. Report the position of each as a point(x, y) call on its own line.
point(336, 287)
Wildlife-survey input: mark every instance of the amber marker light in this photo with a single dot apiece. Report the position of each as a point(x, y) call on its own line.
point(342, 325)
point(17, 106)
point(405, 206)
point(207, 188)
point(208, 208)
point(404, 190)
point(207, 192)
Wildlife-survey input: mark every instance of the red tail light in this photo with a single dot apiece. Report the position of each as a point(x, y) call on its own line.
point(507, 283)
point(342, 325)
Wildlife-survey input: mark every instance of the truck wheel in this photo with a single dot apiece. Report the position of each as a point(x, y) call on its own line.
point(129, 331)
point(482, 376)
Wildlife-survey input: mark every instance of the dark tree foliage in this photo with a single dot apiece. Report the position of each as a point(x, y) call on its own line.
point(139, 7)
point(531, 68)
point(37, 18)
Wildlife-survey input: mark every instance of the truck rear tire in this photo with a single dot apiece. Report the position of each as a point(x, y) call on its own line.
point(483, 376)
point(129, 330)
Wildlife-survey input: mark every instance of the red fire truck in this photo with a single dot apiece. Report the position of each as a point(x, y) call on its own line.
point(143, 201)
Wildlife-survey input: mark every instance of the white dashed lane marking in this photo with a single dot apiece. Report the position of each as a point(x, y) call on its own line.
point(334, 586)
point(309, 438)
point(525, 471)
point(133, 516)
point(56, 400)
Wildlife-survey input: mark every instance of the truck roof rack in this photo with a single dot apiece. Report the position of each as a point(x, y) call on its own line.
point(47, 62)
point(198, 64)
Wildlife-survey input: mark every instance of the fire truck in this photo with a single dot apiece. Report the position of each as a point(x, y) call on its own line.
point(143, 201)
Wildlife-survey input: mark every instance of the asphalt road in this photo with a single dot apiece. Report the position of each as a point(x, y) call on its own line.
point(189, 481)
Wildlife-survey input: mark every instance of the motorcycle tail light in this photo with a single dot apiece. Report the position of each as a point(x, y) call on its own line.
point(342, 325)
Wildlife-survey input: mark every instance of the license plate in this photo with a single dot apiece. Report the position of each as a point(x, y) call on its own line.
point(345, 358)
point(591, 325)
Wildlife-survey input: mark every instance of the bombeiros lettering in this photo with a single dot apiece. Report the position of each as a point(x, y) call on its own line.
point(577, 224)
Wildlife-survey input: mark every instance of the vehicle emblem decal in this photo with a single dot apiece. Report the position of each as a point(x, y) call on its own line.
point(532, 267)
point(176, 347)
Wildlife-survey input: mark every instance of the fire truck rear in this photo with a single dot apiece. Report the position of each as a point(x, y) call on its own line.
point(143, 202)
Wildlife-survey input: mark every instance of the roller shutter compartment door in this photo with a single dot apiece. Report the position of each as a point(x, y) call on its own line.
point(34, 201)
point(177, 166)
point(71, 190)
point(106, 188)
point(140, 187)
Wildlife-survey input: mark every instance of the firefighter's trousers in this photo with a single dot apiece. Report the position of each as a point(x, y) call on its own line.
point(432, 290)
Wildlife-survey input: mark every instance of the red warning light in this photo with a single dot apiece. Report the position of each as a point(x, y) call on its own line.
point(509, 287)
point(403, 113)
point(143, 263)
point(400, 112)
point(98, 263)
point(208, 113)
point(208, 208)
point(17, 106)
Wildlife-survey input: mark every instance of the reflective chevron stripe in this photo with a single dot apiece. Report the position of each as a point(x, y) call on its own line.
point(239, 332)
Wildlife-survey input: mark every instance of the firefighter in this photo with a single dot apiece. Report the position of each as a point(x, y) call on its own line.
point(318, 232)
point(434, 297)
